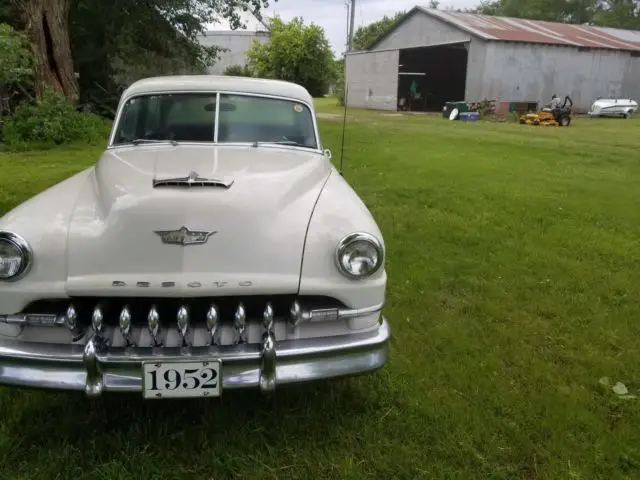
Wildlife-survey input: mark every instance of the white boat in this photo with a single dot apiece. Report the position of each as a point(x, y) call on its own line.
point(613, 107)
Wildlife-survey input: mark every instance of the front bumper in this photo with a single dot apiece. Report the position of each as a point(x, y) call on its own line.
point(95, 369)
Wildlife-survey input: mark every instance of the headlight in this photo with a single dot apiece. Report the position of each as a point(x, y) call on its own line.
point(15, 256)
point(359, 255)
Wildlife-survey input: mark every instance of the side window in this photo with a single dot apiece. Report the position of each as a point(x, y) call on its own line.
point(140, 119)
point(130, 116)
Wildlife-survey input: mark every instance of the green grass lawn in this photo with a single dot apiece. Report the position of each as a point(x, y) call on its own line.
point(514, 274)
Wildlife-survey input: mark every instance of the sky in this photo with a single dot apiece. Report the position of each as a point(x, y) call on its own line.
point(332, 14)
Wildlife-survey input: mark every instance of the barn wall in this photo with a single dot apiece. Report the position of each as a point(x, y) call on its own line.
point(237, 44)
point(372, 80)
point(422, 30)
point(475, 70)
point(525, 72)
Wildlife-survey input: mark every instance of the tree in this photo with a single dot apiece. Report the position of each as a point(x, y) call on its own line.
point(619, 13)
point(296, 53)
point(609, 13)
point(238, 71)
point(366, 36)
point(111, 43)
point(46, 24)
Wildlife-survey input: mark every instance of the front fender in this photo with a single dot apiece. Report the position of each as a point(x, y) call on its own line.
point(43, 221)
point(339, 212)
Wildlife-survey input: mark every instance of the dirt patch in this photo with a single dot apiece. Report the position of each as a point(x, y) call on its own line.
point(329, 116)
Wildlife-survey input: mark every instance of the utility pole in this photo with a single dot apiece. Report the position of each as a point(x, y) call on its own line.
point(352, 22)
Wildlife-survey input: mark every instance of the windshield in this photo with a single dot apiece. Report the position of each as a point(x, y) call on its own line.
point(191, 117)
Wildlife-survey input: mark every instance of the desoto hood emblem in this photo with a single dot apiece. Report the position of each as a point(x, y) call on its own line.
point(184, 236)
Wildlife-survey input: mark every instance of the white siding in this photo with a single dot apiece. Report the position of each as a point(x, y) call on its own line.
point(422, 30)
point(526, 72)
point(475, 69)
point(372, 80)
point(236, 42)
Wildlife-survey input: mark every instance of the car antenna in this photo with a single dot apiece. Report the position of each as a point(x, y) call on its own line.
point(351, 11)
point(344, 127)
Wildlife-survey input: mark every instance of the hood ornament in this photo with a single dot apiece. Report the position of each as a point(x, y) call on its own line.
point(192, 180)
point(184, 236)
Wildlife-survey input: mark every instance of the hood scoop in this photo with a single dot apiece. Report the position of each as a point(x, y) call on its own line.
point(193, 180)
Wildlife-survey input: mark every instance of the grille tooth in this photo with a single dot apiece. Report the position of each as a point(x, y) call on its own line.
point(240, 324)
point(153, 321)
point(183, 323)
point(125, 324)
point(72, 323)
point(213, 319)
point(295, 313)
point(97, 320)
point(267, 318)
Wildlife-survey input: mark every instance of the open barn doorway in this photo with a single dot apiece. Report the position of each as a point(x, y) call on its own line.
point(428, 77)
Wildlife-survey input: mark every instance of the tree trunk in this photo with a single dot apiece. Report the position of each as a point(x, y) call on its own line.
point(47, 27)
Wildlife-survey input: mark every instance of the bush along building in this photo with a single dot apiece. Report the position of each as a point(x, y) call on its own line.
point(432, 57)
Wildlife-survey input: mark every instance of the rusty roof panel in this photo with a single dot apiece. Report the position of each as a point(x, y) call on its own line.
point(534, 31)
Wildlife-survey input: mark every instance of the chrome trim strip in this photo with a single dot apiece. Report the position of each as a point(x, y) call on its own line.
point(216, 119)
point(192, 180)
point(34, 319)
point(335, 314)
point(96, 368)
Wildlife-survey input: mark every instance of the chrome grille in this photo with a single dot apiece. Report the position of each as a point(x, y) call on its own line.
point(185, 322)
point(167, 309)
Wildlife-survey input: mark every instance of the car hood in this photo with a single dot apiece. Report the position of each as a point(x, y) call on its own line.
point(256, 228)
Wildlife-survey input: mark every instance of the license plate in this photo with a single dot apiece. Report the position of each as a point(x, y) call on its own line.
point(181, 379)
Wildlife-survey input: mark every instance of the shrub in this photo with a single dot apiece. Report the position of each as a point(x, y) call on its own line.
point(340, 91)
point(338, 85)
point(52, 121)
point(15, 59)
point(238, 71)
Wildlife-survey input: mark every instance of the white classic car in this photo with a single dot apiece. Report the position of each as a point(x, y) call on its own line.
point(212, 246)
point(613, 107)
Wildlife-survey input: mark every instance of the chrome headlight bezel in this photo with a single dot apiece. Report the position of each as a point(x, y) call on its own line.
point(359, 237)
point(25, 251)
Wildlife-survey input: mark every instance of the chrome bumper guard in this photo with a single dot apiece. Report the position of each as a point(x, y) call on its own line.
point(96, 368)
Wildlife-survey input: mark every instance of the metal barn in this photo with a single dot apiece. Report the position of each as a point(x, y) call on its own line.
point(444, 56)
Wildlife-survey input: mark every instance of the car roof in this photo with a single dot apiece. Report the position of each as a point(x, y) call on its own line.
point(196, 83)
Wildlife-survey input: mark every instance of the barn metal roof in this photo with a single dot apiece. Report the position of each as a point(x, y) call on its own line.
point(508, 29)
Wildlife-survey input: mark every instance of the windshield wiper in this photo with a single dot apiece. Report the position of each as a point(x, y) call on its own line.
point(138, 141)
point(281, 142)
